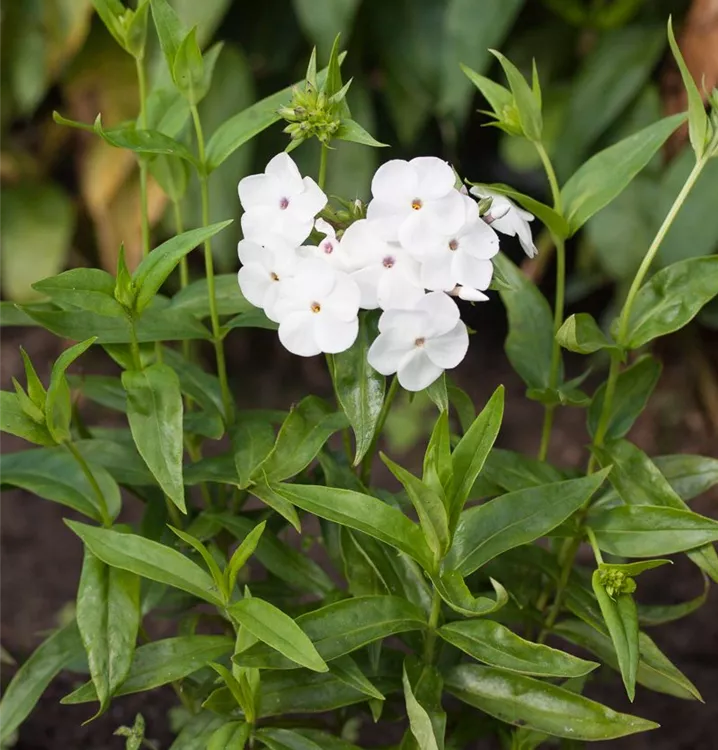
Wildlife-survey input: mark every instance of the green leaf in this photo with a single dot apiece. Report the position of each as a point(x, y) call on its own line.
point(688, 475)
point(202, 387)
point(172, 175)
point(252, 440)
point(452, 588)
point(698, 124)
point(580, 333)
point(108, 618)
point(15, 421)
point(281, 560)
point(650, 615)
point(494, 644)
point(196, 732)
point(53, 474)
point(333, 82)
point(605, 175)
point(530, 341)
point(136, 34)
point(188, 67)
point(499, 97)
point(194, 298)
point(342, 627)
point(148, 559)
point(302, 435)
point(527, 104)
point(648, 531)
point(121, 459)
point(634, 387)
point(346, 669)
point(508, 521)
point(111, 13)
point(655, 671)
point(61, 649)
point(58, 408)
point(621, 618)
point(242, 554)
point(359, 387)
point(169, 29)
point(363, 513)
point(232, 736)
point(205, 554)
point(86, 288)
point(638, 481)
point(671, 299)
point(420, 721)
point(352, 131)
point(161, 662)
point(470, 454)
point(429, 507)
point(154, 410)
point(159, 264)
point(271, 626)
point(241, 128)
point(528, 702)
point(269, 496)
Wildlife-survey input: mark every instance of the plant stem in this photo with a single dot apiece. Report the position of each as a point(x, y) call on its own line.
point(217, 339)
point(135, 346)
point(551, 175)
point(381, 421)
point(184, 267)
point(323, 166)
point(102, 503)
point(613, 373)
point(144, 212)
point(430, 641)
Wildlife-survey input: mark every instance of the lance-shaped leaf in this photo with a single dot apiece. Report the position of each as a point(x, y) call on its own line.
point(154, 410)
point(527, 103)
point(194, 298)
point(159, 264)
point(423, 685)
point(242, 554)
point(86, 288)
point(580, 333)
point(452, 588)
point(347, 670)
point(342, 627)
point(161, 662)
point(363, 513)
point(351, 130)
point(252, 440)
point(60, 650)
point(528, 702)
point(508, 521)
point(108, 618)
point(234, 735)
point(149, 559)
point(687, 474)
point(359, 387)
point(15, 421)
point(271, 626)
point(494, 644)
point(671, 299)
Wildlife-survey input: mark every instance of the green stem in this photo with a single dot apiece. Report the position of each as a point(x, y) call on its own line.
point(381, 421)
point(102, 504)
point(144, 212)
point(184, 268)
point(551, 175)
point(135, 346)
point(430, 641)
point(323, 166)
point(217, 339)
point(594, 546)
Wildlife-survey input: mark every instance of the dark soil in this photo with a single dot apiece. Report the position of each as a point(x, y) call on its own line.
point(41, 558)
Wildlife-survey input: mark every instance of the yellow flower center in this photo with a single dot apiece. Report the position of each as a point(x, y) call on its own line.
point(416, 204)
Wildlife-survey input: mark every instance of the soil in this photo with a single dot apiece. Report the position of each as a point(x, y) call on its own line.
point(41, 558)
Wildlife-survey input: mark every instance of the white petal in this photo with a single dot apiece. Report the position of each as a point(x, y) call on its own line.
point(296, 332)
point(310, 201)
point(250, 252)
point(386, 218)
point(409, 325)
point(395, 182)
point(447, 214)
point(254, 281)
point(417, 371)
point(480, 241)
point(259, 190)
point(448, 350)
point(361, 245)
point(397, 291)
point(435, 177)
point(367, 280)
point(473, 271)
point(343, 301)
point(264, 224)
point(441, 312)
point(324, 227)
point(420, 239)
point(471, 295)
point(527, 243)
point(286, 172)
point(437, 273)
point(334, 335)
point(388, 350)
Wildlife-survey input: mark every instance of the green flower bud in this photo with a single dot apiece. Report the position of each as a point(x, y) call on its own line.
point(616, 582)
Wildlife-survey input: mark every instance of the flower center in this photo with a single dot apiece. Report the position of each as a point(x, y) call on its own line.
point(315, 307)
point(284, 203)
point(454, 245)
point(273, 276)
point(416, 204)
point(420, 341)
point(389, 261)
point(328, 247)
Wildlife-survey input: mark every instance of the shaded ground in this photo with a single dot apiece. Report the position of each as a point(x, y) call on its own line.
point(41, 558)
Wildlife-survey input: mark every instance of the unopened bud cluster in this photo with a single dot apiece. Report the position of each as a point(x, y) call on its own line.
point(311, 113)
point(617, 582)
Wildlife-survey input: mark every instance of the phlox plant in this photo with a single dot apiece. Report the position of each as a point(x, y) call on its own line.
point(436, 617)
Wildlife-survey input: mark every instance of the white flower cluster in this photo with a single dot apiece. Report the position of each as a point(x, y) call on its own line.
point(422, 242)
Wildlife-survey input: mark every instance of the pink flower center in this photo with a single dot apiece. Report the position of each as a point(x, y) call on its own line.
point(389, 261)
point(420, 342)
point(328, 247)
point(454, 245)
point(284, 203)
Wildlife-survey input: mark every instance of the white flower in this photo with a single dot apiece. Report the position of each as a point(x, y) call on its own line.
point(419, 344)
point(386, 274)
point(264, 271)
point(413, 197)
point(317, 310)
point(508, 218)
point(279, 202)
point(329, 249)
point(462, 257)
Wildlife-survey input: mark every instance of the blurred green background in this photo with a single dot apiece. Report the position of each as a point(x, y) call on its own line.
point(69, 199)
